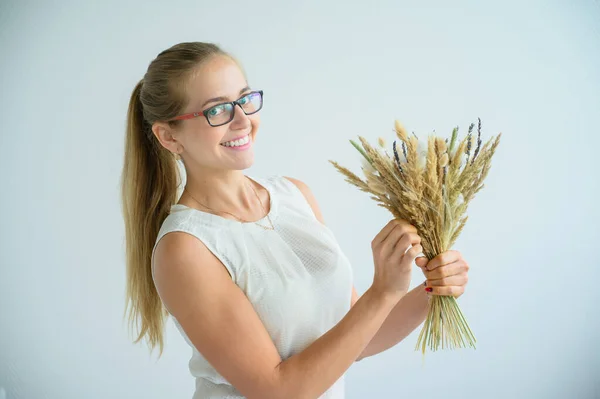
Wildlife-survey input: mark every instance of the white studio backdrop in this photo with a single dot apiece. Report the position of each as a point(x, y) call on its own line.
point(331, 70)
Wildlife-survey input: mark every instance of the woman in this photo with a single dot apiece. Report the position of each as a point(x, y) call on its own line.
point(255, 281)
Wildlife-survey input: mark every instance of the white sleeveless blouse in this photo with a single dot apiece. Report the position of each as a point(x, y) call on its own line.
point(296, 277)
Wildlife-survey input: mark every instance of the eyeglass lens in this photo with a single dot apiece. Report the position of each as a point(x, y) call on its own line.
point(223, 113)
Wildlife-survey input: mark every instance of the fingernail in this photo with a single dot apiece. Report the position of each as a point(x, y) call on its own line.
point(428, 289)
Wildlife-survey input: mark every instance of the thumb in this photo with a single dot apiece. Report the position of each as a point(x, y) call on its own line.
point(421, 261)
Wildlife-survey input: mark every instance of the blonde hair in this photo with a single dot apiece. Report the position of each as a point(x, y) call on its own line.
point(150, 178)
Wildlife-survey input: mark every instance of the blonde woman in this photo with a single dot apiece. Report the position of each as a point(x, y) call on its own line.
point(253, 279)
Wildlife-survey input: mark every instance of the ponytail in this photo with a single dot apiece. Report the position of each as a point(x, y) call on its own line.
point(149, 188)
point(150, 177)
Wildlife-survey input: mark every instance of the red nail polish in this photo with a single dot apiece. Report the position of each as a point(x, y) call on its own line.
point(428, 289)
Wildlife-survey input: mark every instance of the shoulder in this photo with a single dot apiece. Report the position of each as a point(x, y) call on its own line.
point(298, 183)
point(308, 194)
point(176, 257)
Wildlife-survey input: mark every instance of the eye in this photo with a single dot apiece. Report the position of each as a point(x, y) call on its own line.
point(246, 99)
point(216, 110)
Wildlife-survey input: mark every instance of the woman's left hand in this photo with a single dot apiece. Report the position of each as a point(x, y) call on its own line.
point(446, 273)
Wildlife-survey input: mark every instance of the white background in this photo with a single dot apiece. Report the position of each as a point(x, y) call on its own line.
point(331, 70)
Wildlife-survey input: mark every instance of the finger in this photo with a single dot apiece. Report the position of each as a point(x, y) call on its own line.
point(444, 258)
point(458, 280)
point(399, 240)
point(403, 245)
point(378, 239)
point(447, 270)
point(451, 290)
point(388, 245)
point(413, 252)
point(385, 232)
point(406, 240)
point(421, 261)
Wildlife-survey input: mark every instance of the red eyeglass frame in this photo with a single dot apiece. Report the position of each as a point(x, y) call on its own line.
point(192, 115)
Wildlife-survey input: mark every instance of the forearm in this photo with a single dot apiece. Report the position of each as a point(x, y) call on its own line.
point(311, 372)
point(406, 316)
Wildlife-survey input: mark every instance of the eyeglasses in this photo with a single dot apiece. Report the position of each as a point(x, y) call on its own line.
point(223, 113)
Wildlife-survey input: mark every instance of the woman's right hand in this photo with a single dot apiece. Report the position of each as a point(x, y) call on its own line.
point(393, 263)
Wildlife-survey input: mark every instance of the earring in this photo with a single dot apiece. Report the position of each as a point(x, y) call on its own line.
point(176, 154)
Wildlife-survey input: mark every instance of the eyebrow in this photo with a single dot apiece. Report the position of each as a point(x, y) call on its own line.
point(215, 99)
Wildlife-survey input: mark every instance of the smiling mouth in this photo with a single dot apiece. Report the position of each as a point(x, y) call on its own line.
point(237, 143)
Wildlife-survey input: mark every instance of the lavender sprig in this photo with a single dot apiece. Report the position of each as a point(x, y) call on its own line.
point(396, 157)
point(478, 141)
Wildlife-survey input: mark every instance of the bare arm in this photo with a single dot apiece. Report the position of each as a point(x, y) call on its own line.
point(407, 315)
point(222, 324)
point(324, 362)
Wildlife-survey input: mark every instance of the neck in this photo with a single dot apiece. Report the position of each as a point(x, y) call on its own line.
point(230, 192)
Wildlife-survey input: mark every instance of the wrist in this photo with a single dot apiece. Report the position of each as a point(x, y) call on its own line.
point(385, 298)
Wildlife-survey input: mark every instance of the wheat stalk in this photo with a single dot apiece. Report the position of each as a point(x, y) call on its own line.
point(431, 190)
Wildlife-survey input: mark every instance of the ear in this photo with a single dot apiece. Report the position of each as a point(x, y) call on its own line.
point(166, 136)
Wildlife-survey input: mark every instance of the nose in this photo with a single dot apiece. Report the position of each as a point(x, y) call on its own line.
point(239, 117)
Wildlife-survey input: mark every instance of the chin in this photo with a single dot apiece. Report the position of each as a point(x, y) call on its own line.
point(245, 165)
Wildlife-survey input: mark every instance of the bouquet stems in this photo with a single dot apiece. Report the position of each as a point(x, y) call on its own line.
point(445, 326)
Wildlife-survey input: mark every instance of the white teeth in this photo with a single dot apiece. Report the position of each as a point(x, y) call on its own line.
point(237, 143)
